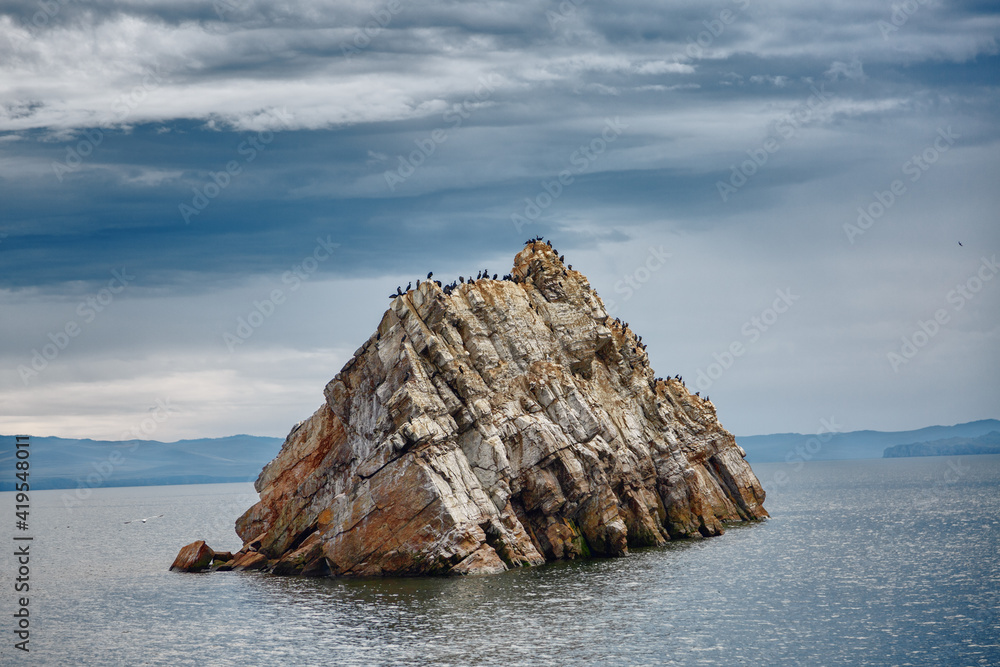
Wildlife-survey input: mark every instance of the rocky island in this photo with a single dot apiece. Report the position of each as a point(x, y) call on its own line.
point(489, 425)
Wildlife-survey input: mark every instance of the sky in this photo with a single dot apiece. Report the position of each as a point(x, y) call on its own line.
point(204, 205)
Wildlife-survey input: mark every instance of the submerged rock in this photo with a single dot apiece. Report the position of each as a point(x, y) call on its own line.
point(504, 424)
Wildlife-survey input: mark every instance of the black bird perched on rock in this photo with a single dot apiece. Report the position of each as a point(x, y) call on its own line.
point(429, 274)
point(418, 283)
point(393, 296)
point(479, 275)
point(461, 279)
point(549, 242)
point(562, 258)
point(409, 286)
point(494, 276)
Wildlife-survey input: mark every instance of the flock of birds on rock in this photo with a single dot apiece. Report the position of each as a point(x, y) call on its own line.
point(680, 378)
point(485, 275)
point(481, 275)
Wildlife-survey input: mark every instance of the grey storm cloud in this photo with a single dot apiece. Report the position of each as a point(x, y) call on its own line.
point(769, 145)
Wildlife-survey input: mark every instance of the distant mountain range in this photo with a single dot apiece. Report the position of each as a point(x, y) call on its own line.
point(852, 444)
point(63, 463)
point(984, 444)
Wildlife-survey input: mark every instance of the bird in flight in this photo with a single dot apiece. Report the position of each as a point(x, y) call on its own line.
point(960, 243)
point(145, 520)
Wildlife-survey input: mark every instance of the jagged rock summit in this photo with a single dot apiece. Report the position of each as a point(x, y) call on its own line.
point(504, 424)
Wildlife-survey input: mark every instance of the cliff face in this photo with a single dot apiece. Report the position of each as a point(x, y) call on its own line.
point(505, 424)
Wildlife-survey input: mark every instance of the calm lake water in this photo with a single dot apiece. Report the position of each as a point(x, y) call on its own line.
point(883, 562)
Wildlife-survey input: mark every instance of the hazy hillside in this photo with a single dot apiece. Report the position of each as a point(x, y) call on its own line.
point(852, 444)
point(984, 444)
point(61, 463)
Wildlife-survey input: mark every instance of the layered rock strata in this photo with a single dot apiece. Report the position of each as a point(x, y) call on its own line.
point(506, 424)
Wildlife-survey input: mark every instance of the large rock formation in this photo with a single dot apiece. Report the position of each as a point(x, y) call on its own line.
point(508, 423)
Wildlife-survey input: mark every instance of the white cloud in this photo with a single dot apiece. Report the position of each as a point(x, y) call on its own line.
point(663, 67)
point(853, 71)
point(776, 81)
point(88, 71)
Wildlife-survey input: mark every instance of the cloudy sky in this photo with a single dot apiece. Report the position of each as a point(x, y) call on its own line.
point(787, 180)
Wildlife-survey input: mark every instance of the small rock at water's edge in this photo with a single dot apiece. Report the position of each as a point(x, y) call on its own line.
point(194, 557)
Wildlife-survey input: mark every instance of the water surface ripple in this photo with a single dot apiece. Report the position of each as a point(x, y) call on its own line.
point(885, 562)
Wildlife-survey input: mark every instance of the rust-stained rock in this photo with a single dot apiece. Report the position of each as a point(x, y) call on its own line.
point(251, 560)
point(504, 424)
point(194, 557)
